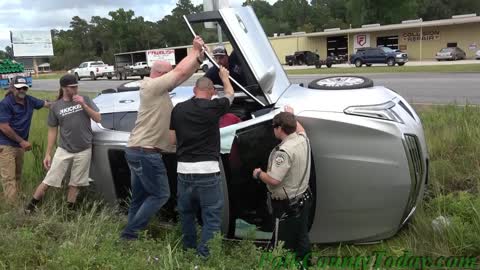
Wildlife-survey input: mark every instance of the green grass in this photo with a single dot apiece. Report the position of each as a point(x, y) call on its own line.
point(51, 75)
point(54, 238)
point(386, 69)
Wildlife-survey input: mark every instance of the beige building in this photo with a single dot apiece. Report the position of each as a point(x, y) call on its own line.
point(421, 40)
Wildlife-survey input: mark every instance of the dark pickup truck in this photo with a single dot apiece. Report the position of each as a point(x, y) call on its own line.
point(308, 58)
point(382, 55)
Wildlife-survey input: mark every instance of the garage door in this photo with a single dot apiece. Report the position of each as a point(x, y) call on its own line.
point(337, 45)
point(388, 41)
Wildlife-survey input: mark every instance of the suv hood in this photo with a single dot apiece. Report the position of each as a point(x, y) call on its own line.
point(251, 44)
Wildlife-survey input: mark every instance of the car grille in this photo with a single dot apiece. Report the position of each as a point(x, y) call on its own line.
point(417, 169)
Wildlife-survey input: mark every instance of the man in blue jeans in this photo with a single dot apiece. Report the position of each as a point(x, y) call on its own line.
point(194, 129)
point(150, 137)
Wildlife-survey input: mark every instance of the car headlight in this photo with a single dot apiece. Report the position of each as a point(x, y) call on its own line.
point(399, 55)
point(381, 111)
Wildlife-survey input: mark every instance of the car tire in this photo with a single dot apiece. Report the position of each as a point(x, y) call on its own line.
point(390, 62)
point(368, 65)
point(78, 77)
point(92, 76)
point(329, 65)
point(300, 62)
point(318, 65)
point(141, 77)
point(401, 64)
point(358, 63)
point(290, 63)
point(109, 77)
point(341, 83)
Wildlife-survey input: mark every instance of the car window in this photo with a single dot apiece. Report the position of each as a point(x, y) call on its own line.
point(97, 64)
point(121, 121)
point(446, 50)
point(387, 49)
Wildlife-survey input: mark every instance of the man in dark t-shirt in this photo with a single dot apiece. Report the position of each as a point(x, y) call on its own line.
point(194, 129)
point(72, 114)
point(230, 62)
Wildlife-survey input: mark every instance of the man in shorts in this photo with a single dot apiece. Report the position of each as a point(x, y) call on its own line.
point(71, 113)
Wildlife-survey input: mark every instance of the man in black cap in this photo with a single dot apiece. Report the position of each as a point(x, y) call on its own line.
point(230, 62)
point(16, 111)
point(72, 113)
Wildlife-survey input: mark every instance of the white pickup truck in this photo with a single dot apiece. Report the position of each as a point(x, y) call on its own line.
point(139, 65)
point(93, 70)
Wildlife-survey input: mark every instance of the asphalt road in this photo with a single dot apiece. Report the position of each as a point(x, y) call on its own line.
point(428, 88)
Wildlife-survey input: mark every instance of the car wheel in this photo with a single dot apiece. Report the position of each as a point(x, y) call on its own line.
point(329, 65)
point(368, 65)
point(341, 83)
point(141, 77)
point(300, 62)
point(78, 77)
point(92, 76)
point(401, 64)
point(358, 63)
point(109, 77)
point(290, 63)
point(390, 62)
point(205, 68)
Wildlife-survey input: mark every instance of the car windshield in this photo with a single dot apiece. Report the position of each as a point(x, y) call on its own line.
point(387, 49)
point(446, 50)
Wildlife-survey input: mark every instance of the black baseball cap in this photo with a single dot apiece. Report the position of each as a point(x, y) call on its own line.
point(219, 50)
point(68, 80)
point(20, 82)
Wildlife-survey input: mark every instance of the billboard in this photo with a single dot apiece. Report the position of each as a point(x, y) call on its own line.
point(31, 43)
point(160, 54)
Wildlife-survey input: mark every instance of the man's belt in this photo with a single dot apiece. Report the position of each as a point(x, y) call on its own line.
point(145, 149)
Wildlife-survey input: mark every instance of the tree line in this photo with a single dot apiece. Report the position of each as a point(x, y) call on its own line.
point(122, 31)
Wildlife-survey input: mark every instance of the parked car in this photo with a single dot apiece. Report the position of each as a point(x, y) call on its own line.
point(368, 150)
point(94, 70)
point(308, 58)
point(450, 53)
point(381, 55)
point(477, 55)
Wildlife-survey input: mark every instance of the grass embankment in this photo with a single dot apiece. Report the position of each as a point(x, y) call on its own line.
point(88, 239)
point(386, 69)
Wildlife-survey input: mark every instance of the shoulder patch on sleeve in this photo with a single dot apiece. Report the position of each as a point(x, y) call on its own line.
point(280, 158)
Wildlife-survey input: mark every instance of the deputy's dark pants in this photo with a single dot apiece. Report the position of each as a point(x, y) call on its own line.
point(294, 230)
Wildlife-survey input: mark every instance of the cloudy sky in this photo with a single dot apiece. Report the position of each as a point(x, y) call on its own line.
point(49, 14)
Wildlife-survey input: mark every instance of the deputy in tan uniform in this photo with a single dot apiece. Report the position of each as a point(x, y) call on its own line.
point(287, 179)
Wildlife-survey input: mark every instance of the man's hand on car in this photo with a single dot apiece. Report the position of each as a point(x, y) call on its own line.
point(289, 109)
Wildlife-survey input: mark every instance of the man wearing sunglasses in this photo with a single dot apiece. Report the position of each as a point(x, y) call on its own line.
point(16, 111)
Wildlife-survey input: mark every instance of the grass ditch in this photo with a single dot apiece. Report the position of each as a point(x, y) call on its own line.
point(55, 238)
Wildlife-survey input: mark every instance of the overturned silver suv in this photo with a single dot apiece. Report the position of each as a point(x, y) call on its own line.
point(369, 156)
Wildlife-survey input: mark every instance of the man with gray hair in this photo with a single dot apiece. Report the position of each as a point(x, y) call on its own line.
point(149, 138)
point(194, 128)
